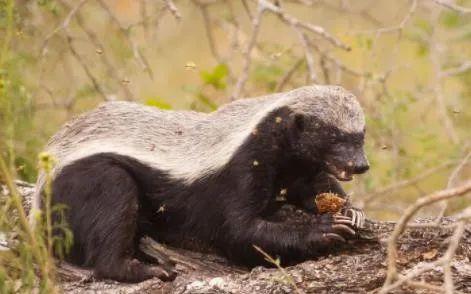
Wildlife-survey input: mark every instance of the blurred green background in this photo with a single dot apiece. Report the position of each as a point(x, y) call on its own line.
point(409, 65)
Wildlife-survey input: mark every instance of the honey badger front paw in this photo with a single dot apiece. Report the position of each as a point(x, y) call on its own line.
point(356, 215)
point(329, 229)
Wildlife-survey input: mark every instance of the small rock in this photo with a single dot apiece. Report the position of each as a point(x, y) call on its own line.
point(217, 282)
point(196, 285)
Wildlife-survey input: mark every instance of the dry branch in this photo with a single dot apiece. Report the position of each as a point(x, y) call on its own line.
point(256, 20)
point(399, 27)
point(401, 225)
point(173, 9)
point(383, 191)
point(288, 75)
point(450, 4)
point(436, 61)
point(464, 67)
point(209, 32)
point(86, 68)
point(138, 55)
point(111, 70)
point(451, 182)
point(293, 21)
point(308, 55)
point(63, 26)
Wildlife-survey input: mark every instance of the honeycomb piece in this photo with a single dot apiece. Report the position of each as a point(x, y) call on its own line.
point(329, 203)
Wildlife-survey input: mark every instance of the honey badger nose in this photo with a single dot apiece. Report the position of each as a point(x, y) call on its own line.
point(359, 169)
point(361, 164)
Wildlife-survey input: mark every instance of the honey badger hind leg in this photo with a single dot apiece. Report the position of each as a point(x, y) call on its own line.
point(103, 206)
point(150, 250)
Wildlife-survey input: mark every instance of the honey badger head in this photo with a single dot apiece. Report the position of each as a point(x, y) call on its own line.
point(328, 127)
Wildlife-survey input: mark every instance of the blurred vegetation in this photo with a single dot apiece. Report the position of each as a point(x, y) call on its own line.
point(43, 82)
point(59, 64)
point(409, 65)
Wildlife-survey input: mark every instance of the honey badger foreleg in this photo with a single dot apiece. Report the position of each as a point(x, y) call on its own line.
point(303, 190)
point(284, 239)
point(246, 226)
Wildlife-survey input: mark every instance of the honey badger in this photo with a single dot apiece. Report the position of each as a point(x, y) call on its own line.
point(124, 170)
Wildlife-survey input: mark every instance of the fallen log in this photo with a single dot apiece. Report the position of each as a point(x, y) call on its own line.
point(359, 266)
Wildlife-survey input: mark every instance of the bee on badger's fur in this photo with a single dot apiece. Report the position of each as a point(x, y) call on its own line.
point(217, 175)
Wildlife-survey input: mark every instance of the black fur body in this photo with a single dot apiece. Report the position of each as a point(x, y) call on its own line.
point(114, 198)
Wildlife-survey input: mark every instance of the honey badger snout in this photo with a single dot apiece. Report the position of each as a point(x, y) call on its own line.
point(359, 164)
point(344, 161)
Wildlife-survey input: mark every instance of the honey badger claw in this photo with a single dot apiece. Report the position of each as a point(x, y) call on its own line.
point(341, 219)
point(163, 273)
point(333, 236)
point(344, 229)
point(338, 216)
point(357, 217)
point(363, 217)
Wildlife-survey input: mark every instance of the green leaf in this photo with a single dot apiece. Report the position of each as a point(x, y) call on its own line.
point(364, 42)
point(267, 75)
point(424, 25)
point(422, 50)
point(49, 5)
point(207, 101)
point(451, 19)
point(216, 77)
point(369, 43)
point(159, 103)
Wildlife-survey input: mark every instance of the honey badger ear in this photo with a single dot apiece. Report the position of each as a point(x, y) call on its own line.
point(297, 122)
point(295, 126)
